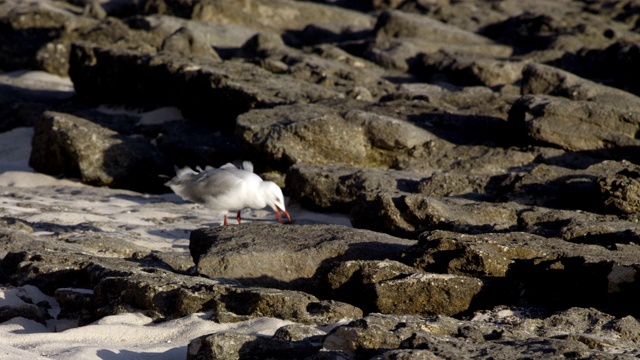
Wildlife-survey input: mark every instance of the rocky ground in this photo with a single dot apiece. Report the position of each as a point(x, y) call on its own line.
point(486, 152)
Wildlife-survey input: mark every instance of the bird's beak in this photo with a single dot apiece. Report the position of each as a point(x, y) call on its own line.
point(279, 217)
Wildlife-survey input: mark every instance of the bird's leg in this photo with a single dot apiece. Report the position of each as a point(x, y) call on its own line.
point(279, 217)
point(238, 216)
point(226, 222)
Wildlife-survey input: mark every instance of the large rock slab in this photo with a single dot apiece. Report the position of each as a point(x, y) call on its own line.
point(78, 148)
point(401, 37)
point(336, 188)
point(116, 285)
point(407, 214)
point(548, 80)
point(577, 125)
point(228, 345)
point(285, 256)
point(275, 15)
point(311, 133)
point(502, 333)
point(374, 287)
point(199, 90)
point(544, 270)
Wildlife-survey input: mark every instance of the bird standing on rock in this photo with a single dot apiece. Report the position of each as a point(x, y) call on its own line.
point(228, 188)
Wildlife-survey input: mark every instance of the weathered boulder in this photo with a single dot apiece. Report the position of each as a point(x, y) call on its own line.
point(442, 337)
point(593, 189)
point(549, 271)
point(621, 190)
point(406, 214)
point(335, 187)
point(284, 256)
point(540, 79)
point(577, 125)
point(401, 37)
point(76, 147)
point(229, 345)
point(35, 26)
point(208, 87)
point(275, 15)
point(468, 70)
point(165, 294)
point(145, 284)
point(374, 287)
point(310, 133)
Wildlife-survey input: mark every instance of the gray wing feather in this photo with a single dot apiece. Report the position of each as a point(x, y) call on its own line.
point(211, 184)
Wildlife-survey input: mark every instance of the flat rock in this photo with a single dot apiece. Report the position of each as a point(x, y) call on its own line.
point(284, 256)
point(407, 214)
point(577, 125)
point(75, 147)
point(336, 188)
point(374, 285)
point(208, 87)
point(228, 345)
point(309, 133)
point(584, 273)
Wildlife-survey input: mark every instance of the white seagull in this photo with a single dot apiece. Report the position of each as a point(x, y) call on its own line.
point(228, 188)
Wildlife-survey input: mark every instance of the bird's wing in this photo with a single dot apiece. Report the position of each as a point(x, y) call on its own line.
point(214, 183)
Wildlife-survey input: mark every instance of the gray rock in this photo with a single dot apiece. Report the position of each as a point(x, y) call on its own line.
point(27, 311)
point(394, 23)
point(401, 37)
point(34, 25)
point(284, 256)
point(274, 15)
point(577, 125)
point(470, 70)
point(75, 147)
point(620, 190)
point(485, 255)
point(374, 285)
point(143, 284)
point(187, 43)
point(240, 304)
point(595, 189)
point(539, 79)
point(229, 345)
point(297, 332)
point(384, 336)
point(208, 36)
point(407, 214)
point(577, 273)
point(334, 187)
point(320, 134)
point(206, 87)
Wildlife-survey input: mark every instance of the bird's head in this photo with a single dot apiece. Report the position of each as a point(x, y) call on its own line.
point(275, 200)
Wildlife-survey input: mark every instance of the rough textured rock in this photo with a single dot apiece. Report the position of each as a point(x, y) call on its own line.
point(75, 147)
point(374, 285)
point(284, 256)
point(331, 187)
point(577, 125)
point(225, 345)
point(401, 37)
point(319, 134)
point(409, 214)
point(531, 263)
point(500, 135)
point(226, 89)
point(125, 285)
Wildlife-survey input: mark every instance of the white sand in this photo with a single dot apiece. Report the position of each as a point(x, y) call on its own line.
point(155, 222)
